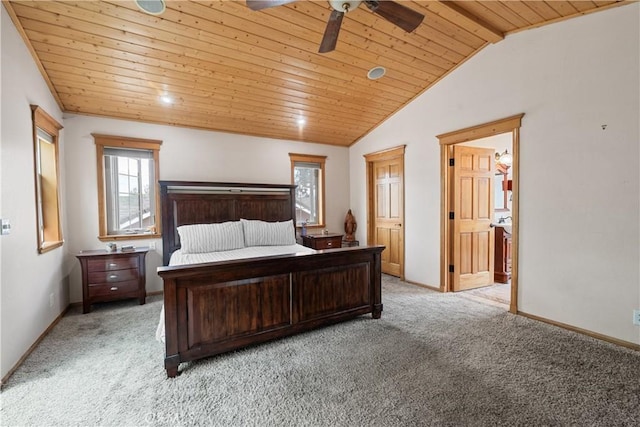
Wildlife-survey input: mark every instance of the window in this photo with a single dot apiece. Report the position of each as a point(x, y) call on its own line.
point(307, 172)
point(45, 149)
point(128, 201)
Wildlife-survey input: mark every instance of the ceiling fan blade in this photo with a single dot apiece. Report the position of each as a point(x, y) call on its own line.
point(263, 4)
point(330, 37)
point(402, 16)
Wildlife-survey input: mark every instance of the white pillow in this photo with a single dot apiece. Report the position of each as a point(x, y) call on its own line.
point(262, 233)
point(199, 238)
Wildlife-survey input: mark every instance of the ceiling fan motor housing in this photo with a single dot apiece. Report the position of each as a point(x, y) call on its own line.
point(344, 5)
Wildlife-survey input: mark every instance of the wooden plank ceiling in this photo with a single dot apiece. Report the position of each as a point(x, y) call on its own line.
point(228, 68)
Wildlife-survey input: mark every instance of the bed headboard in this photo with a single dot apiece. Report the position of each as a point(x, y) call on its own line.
point(187, 202)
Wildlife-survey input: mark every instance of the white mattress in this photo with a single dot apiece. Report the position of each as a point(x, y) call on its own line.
point(179, 258)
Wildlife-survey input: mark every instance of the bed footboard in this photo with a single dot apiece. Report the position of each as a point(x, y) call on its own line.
point(217, 307)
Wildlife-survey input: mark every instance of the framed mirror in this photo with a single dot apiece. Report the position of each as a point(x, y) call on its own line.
point(502, 188)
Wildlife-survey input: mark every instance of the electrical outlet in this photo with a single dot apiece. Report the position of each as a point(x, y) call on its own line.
point(636, 317)
point(50, 300)
point(152, 245)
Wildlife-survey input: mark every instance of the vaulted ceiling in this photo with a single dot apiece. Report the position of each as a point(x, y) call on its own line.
point(228, 68)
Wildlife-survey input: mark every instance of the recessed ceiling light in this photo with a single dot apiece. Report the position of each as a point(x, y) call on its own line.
point(301, 121)
point(152, 7)
point(376, 72)
point(166, 99)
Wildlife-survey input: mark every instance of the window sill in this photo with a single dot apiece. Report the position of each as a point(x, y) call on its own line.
point(311, 227)
point(117, 237)
point(49, 246)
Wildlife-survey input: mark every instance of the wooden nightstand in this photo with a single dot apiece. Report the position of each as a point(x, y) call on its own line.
point(322, 241)
point(109, 276)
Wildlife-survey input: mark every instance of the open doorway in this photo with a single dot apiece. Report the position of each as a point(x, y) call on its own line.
point(498, 287)
point(479, 237)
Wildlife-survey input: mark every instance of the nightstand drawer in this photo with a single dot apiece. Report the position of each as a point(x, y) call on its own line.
point(112, 276)
point(106, 264)
point(115, 289)
point(328, 243)
point(322, 241)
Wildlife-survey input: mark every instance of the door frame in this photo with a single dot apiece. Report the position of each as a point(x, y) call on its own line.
point(371, 159)
point(447, 140)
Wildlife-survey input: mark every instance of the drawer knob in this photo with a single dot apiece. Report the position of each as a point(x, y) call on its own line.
point(329, 243)
point(113, 264)
point(113, 276)
point(114, 288)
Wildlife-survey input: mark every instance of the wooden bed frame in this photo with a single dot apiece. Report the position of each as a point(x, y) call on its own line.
point(221, 306)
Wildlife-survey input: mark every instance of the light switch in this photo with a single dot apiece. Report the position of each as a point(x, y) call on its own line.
point(6, 226)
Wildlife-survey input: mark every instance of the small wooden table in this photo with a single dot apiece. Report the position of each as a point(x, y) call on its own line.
point(109, 276)
point(322, 241)
point(502, 257)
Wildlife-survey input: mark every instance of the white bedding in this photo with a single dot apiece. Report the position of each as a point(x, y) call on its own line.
point(179, 258)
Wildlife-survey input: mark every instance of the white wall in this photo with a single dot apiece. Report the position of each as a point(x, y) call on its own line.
point(579, 266)
point(2, 371)
point(186, 154)
point(27, 278)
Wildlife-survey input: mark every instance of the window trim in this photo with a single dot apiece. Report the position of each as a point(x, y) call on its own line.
point(42, 120)
point(321, 160)
point(113, 141)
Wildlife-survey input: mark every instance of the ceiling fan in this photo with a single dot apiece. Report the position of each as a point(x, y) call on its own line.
point(397, 14)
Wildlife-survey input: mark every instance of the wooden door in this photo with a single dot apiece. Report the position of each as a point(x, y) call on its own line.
point(388, 203)
point(473, 236)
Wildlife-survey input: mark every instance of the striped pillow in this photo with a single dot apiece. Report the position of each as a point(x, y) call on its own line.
point(199, 238)
point(262, 233)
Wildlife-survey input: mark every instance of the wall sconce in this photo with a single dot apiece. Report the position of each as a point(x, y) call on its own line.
point(505, 158)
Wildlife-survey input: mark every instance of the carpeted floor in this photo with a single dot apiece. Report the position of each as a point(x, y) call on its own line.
point(433, 359)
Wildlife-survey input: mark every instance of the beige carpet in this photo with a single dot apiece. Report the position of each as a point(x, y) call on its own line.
point(432, 359)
